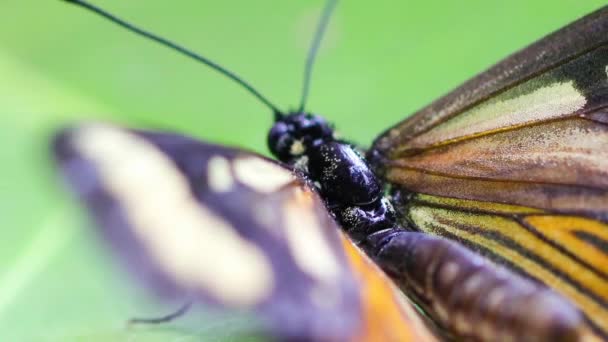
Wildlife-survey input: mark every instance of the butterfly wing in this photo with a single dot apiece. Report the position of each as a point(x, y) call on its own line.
point(535, 63)
point(233, 229)
point(514, 163)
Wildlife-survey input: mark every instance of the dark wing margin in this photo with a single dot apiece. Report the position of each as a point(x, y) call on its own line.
point(226, 227)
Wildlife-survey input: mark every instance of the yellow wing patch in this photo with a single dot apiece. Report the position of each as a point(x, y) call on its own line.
point(568, 229)
point(469, 205)
point(550, 248)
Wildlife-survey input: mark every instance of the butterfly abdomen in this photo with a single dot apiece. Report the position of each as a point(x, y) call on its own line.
point(473, 297)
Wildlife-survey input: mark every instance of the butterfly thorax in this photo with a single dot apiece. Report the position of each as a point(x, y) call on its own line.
point(352, 192)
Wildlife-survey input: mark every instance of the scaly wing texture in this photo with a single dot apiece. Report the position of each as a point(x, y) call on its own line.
point(514, 163)
point(229, 228)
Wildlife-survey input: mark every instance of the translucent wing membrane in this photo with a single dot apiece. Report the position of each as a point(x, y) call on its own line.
point(514, 164)
point(233, 229)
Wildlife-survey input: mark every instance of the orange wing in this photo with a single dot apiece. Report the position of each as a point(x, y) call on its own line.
point(387, 313)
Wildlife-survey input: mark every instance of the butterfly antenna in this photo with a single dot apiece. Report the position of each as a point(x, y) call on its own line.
point(184, 51)
point(314, 48)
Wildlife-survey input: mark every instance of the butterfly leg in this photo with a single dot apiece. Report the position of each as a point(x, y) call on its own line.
point(162, 319)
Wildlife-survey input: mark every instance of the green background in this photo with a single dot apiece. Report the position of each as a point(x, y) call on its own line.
point(380, 62)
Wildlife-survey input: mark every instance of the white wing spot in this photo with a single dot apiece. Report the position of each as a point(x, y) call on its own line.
point(219, 174)
point(193, 246)
point(260, 174)
point(308, 244)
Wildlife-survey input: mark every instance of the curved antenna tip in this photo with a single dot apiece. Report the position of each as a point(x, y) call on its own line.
point(314, 48)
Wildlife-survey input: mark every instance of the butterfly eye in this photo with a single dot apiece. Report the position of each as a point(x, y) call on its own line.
point(280, 140)
point(292, 135)
point(315, 127)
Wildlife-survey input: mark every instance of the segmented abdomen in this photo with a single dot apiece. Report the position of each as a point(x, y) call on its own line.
point(473, 297)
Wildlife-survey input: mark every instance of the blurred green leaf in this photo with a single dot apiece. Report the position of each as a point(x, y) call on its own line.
point(380, 62)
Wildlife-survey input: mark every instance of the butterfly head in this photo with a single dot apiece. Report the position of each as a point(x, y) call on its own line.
point(294, 133)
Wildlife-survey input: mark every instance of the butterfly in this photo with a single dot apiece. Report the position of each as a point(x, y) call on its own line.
point(494, 222)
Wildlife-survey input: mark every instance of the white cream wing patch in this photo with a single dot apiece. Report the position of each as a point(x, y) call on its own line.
point(194, 246)
point(307, 241)
point(219, 174)
point(261, 175)
point(553, 101)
